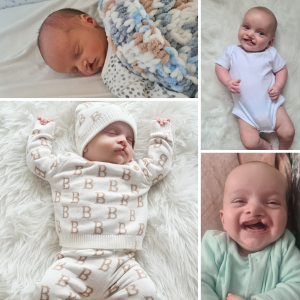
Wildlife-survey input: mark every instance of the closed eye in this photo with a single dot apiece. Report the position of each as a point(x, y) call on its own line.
point(77, 51)
point(129, 141)
point(273, 203)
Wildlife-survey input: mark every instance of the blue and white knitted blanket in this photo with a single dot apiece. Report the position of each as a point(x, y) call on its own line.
point(156, 39)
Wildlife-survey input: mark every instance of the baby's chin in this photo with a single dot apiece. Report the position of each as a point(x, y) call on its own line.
point(252, 245)
point(253, 48)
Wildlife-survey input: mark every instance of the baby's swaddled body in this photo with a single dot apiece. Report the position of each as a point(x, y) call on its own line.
point(256, 72)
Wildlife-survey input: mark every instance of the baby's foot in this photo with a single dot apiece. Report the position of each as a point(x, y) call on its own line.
point(233, 297)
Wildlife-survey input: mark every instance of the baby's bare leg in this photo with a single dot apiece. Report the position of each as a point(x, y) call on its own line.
point(250, 137)
point(284, 128)
point(234, 297)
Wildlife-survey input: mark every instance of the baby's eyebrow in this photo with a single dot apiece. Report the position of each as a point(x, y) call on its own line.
point(237, 191)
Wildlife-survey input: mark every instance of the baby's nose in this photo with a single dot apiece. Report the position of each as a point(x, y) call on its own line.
point(122, 139)
point(256, 210)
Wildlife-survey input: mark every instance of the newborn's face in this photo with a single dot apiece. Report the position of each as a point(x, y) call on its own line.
point(255, 31)
point(114, 144)
point(254, 206)
point(82, 50)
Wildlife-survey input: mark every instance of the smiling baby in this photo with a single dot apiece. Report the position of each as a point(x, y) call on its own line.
point(255, 74)
point(256, 258)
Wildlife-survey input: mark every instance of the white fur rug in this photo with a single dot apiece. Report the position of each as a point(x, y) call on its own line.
point(220, 23)
point(27, 234)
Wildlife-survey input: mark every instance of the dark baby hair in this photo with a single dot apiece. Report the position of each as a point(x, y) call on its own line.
point(64, 19)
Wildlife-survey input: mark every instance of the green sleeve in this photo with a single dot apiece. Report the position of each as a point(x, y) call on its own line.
point(211, 257)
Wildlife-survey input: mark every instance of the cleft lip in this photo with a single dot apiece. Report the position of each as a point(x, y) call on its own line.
point(121, 150)
point(249, 40)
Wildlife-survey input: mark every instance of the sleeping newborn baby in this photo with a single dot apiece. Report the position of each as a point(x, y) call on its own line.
point(100, 202)
point(255, 74)
point(70, 41)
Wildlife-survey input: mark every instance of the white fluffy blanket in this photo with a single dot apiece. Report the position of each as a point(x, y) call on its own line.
point(220, 23)
point(27, 234)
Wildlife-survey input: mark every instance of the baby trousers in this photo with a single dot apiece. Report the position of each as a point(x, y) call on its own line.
point(95, 274)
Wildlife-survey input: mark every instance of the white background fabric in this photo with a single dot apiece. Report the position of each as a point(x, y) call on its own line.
point(23, 72)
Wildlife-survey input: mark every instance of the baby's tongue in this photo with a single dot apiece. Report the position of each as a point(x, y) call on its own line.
point(256, 226)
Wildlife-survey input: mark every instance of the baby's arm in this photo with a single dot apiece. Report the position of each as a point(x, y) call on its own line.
point(280, 81)
point(159, 160)
point(210, 258)
point(288, 286)
point(224, 77)
point(39, 158)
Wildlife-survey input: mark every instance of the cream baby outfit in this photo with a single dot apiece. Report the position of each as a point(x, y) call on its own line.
point(100, 209)
point(256, 72)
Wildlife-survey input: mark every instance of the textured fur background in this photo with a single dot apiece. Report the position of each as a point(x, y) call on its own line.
point(27, 234)
point(220, 23)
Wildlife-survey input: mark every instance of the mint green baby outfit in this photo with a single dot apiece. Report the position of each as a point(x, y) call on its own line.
point(270, 274)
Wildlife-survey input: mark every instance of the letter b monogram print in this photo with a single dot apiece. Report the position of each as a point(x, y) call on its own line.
point(110, 274)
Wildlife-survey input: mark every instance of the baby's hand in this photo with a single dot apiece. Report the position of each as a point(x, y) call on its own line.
point(230, 296)
point(44, 120)
point(162, 121)
point(274, 92)
point(233, 86)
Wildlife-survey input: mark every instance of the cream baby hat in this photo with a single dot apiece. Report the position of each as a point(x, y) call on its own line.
point(92, 117)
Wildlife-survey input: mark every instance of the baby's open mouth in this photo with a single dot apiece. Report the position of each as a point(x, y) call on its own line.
point(249, 42)
point(255, 227)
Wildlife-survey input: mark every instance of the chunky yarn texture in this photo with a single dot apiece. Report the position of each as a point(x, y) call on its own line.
point(156, 39)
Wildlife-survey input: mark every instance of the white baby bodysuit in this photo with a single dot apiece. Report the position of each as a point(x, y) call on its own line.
point(256, 72)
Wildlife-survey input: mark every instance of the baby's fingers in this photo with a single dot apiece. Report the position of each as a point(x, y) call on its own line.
point(235, 83)
point(234, 90)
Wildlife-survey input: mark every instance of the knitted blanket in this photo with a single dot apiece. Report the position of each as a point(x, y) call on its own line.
point(156, 39)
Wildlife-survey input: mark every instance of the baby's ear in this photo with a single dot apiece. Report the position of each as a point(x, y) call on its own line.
point(85, 149)
point(221, 217)
point(270, 42)
point(88, 20)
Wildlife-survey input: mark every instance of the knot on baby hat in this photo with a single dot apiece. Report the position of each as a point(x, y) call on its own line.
point(92, 117)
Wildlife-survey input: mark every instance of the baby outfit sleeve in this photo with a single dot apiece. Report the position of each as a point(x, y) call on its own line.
point(289, 273)
point(39, 158)
point(277, 62)
point(125, 84)
point(159, 161)
point(211, 255)
point(224, 60)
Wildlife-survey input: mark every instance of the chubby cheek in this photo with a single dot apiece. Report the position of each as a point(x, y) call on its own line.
point(280, 219)
point(230, 220)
